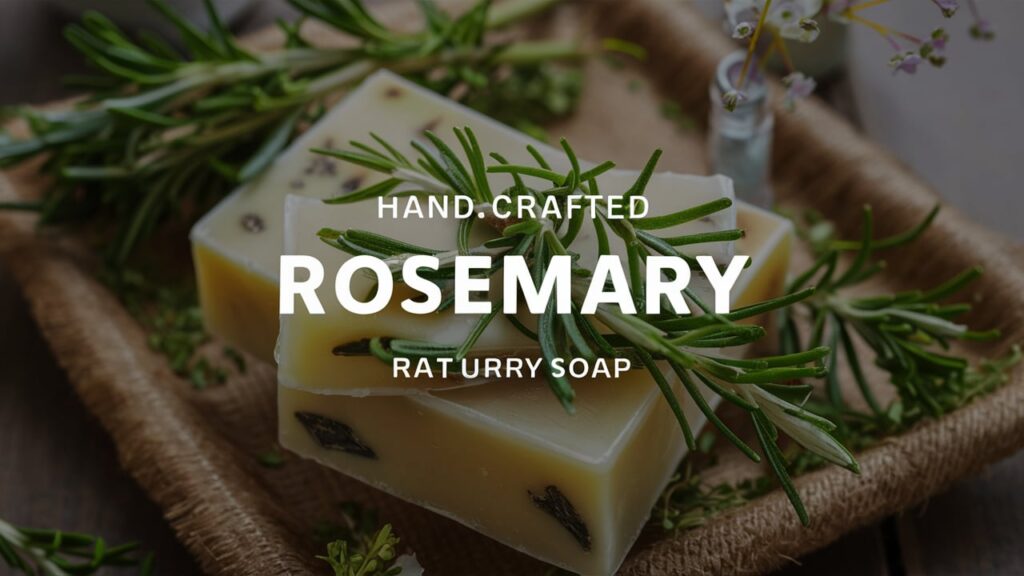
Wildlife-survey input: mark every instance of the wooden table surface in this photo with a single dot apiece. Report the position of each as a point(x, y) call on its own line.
point(59, 469)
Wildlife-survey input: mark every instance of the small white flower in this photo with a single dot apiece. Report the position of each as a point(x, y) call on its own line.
point(948, 7)
point(792, 19)
point(806, 30)
point(743, 30)
point(905, 62)
point(732, 98)
point(798, 86)
point(740, 11)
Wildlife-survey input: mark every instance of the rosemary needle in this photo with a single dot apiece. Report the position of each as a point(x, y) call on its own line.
point(681, 342)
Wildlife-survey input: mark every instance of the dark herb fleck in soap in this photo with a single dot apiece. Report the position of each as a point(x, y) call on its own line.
point(431, 126)
point(352, 184)
point(321, 166)
point(253, 223)
point(558, 506)
point(334, 435)
point(355, 348)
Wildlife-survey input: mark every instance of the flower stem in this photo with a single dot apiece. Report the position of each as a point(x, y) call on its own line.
point(753, 44)
point(780, 45)
point(866, 5)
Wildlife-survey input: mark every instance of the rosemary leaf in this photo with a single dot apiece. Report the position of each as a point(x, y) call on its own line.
point(55, 552)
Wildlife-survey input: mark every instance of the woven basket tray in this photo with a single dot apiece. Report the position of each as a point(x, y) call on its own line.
point(194, 452)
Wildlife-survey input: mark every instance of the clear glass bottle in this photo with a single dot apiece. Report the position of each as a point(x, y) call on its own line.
point(740, 141)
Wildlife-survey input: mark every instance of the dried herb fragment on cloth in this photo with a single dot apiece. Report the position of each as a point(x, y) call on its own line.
point(170, 315)
point(374, 558)
point(358, 548)
point(689, 501)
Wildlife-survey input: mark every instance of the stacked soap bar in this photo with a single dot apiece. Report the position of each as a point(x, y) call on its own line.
point(503, 458)
point(507, 460)
point(236, 246)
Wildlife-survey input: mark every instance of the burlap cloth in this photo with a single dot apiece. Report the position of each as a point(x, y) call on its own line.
point(194, 452)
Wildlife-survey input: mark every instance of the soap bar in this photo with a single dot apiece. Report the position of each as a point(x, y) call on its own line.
point(506, 460)
point(236, 246)
point(307, 341)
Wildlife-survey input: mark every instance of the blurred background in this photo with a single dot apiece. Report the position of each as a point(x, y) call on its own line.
point(959, 128)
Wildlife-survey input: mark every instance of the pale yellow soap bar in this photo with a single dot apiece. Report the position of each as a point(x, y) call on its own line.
point(494, 457)
point(236, 247)
point(506, 460)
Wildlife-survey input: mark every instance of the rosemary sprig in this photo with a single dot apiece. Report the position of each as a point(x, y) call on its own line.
point(166, 134)
point(688, 501)
point(359, 545)
point(373, 556)
point(59, 553)
point(908, 332)
point(682, 343)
